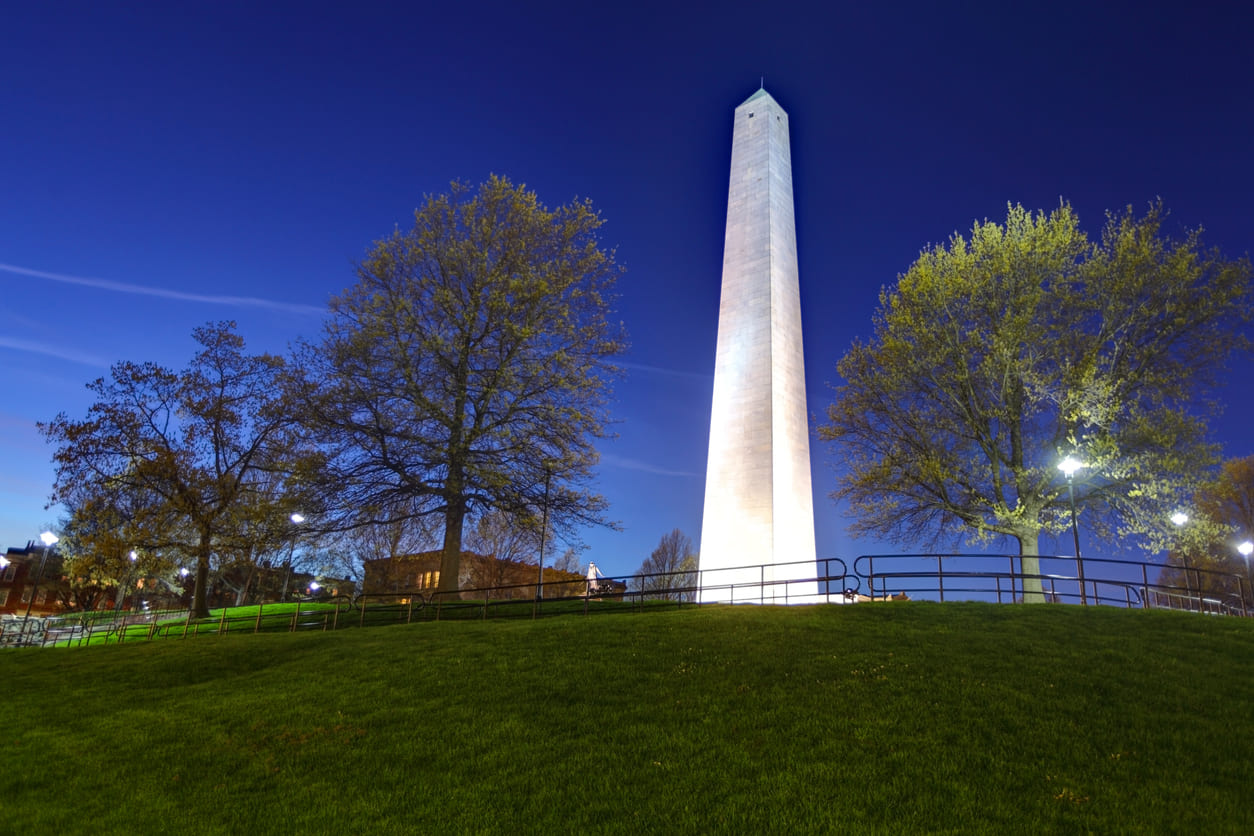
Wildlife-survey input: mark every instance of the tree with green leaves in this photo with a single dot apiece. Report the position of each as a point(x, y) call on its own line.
point(1206, 557)
point(100, 548)
point(190, 454)
point(469, 367)
point(996, 356)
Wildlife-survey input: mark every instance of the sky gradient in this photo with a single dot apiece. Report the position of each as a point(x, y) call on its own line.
point(166, 165)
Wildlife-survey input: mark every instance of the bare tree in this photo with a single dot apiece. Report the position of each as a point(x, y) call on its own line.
point(670, 572)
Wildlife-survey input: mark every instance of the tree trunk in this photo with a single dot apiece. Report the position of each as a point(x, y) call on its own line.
point(450, 561)
point(200, 603)
point(1033, 592)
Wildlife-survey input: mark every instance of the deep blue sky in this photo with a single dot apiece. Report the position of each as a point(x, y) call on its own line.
point(186, 158)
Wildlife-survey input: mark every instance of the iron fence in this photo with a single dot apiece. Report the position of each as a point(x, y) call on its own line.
point(941, 577)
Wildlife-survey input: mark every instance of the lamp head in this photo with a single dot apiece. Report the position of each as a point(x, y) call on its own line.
point(1179, 518)
point(49, 538)
point(298, 518)
point(1069, 466)
point(1246, 548)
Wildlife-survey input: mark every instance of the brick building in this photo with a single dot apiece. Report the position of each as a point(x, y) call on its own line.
point(20, 580)
point(420, 573)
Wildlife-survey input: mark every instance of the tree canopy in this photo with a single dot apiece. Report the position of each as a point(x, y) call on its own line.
point(469, 367)
point(997, 355)
point(1206, 555)
point(190, 457)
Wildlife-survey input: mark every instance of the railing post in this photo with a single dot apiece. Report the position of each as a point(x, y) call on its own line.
point(257, 625)
point(940, 578)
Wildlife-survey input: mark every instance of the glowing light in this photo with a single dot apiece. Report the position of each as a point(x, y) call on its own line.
point(1069, 466)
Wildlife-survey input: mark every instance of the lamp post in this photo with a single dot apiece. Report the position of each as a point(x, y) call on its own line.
point(49, 540)
point(296, 519)
point(117, 606)
point(1069, 466)
point(544, 532)
point(1246, 549)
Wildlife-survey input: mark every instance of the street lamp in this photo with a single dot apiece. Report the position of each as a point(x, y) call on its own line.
point(117, 607)
point(1069, 466)
point(544, 531)
point(1179, 518)
point(1246, 549)
point(296, 519)
point(49, 540)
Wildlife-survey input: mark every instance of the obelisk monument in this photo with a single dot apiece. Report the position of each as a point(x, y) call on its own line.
point(757, 532)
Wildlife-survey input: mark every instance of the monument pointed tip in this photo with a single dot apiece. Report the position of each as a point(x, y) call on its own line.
point(760, 93)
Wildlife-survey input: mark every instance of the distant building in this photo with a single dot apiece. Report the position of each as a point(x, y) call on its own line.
point(20, 580)
point(420, 574)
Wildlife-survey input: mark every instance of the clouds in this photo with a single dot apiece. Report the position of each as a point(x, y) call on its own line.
point(164, 293)
point(57, 351)
point(625, 463)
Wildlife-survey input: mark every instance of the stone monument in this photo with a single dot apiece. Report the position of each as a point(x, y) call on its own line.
point(757, 531)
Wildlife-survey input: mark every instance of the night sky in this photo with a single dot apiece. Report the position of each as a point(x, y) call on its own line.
point(164, 165)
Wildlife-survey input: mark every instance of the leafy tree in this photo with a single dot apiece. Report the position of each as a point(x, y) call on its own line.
point(186, 452)
point(670, 572)
point(996, 356)
point(1205, 558)
point(99, 549)
point(469, 367)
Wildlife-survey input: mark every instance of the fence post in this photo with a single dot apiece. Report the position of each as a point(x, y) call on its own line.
point(222, 622)
point(940, 577)
point(257, 626)
point(295, 616)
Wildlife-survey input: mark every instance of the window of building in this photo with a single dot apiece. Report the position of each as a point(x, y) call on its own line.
point(4, 597)
point(26, 595)
point(10, 571)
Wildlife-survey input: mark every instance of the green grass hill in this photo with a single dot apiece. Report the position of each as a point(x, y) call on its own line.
point(876, 718)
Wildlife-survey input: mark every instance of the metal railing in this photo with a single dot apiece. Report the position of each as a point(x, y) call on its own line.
point(942, 577)
point(1103, 581)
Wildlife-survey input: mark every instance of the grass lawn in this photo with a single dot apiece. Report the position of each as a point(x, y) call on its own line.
point(886, 718)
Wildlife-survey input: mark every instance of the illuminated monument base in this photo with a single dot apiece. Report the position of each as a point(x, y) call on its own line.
point(757, 532)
